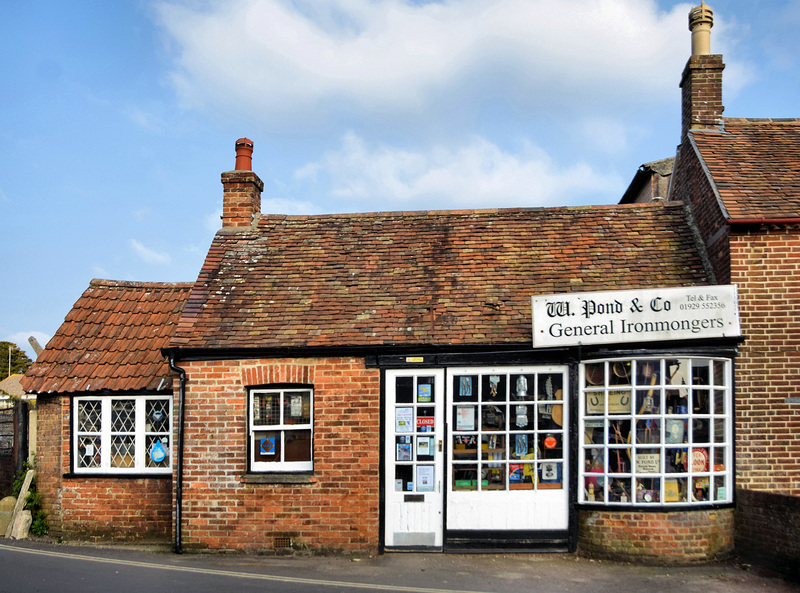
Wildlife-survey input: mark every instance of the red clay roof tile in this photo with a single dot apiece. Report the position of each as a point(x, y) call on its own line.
point(755, 166)
point(423, 278)
point(111, 340)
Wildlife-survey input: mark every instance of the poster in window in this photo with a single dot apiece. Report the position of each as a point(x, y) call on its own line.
point(424, 393)
point(404, 420)
point(296, 406)
point(648, 463)
point(674, 430)
point(425, 423)
point(521, 445)
point(465, 417)
point(425, 478)
point(465, 387)
point(404, 452)
point(424, 446)
point(267, 446)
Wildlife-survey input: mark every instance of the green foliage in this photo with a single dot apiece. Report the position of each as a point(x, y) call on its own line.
point(34, 501)
point(19, 360)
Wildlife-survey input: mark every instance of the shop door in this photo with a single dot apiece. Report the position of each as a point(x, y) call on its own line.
point(414, 459)
point(507, 470)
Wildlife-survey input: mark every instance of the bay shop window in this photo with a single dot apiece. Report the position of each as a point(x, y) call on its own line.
point(656, 432)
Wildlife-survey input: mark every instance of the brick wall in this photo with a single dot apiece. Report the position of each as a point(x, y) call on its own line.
point(655, 537)
point(119, 509)
point(764, 517)
point(765, 263)
point(53, 439)
point(701, 85)
point(94, 507)
point(339, 507)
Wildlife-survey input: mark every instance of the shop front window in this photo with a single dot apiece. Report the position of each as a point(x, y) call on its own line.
point(656, 432)
point(508, 431)
point(281, 429)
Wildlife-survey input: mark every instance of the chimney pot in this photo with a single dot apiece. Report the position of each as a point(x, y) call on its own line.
point(701, 19)
point(244, 155)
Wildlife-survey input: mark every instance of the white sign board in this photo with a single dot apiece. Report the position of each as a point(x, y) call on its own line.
point(650, 315)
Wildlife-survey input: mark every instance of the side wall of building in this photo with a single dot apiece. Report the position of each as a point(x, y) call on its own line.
point(765, 263)
point(95, 507)
point(775, 518)
point(225, 506)
point(691, 185)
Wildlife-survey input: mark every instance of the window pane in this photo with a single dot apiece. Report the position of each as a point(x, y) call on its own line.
point(297, 407)
point(266, 409)
point(425, 390)
point(595, 374)
point(157, 451)
point(404, 390)
point(157, 415)
point(267, 446)
point(89, 415)
point(123, 415)
point(89, 454)
point(123, 448)
point(297, 445)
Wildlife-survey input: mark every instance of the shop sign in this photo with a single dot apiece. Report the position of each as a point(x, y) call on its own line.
point(649, 315)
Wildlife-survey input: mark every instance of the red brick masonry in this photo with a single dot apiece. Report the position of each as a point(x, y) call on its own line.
point(656, 538)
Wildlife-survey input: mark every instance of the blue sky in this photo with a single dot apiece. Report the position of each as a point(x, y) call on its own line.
point(118, 117)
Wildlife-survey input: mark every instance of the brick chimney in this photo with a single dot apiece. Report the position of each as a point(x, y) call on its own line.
point(701, 83)
point(241, 196)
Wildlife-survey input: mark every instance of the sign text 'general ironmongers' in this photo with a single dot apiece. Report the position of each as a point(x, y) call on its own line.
point(635, 316)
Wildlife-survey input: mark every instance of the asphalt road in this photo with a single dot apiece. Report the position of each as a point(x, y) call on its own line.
point(29, 567)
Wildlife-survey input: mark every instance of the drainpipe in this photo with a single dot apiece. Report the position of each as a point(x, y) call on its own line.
point(179, 479)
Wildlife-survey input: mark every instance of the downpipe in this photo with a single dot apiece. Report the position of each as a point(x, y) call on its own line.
point(179, 478)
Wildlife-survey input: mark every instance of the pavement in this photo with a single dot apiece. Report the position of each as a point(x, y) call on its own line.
point(413, 572)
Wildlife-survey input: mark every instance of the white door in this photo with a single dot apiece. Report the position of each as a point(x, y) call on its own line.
point(414, 459)
point(507, 448)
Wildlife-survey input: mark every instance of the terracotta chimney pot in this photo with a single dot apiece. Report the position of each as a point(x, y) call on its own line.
point(244, 155)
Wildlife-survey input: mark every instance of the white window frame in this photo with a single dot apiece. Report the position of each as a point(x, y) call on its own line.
point(598, 486)
point(282, 426)
point(105, 435)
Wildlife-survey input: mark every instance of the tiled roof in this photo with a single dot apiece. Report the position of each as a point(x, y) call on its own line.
point(111, 340)
point(423, 278)
point(755, 165)
point(11, 385)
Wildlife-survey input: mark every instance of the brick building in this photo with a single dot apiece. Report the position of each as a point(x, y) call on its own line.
point(551, 379)
point(740, 181)
point(104, 400)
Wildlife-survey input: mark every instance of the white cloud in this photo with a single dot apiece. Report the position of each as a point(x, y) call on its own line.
point(149, 256)
point(478, 173)
point(276, 59)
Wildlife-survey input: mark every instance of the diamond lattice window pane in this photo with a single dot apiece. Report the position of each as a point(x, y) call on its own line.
point(89, 416)
point(157, 451)
point(123, 415)
point(157, 411)
point(122, 451)
point(89, 451)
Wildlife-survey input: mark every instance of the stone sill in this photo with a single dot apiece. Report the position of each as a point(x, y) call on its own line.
point(278, 478)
